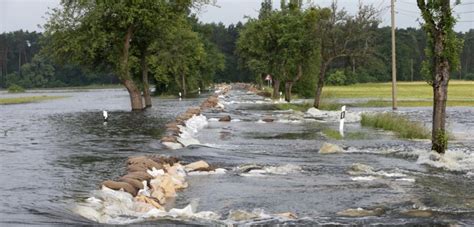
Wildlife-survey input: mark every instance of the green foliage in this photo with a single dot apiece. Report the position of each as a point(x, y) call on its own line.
point(443, 42)
point(284, 43)
point(333, 134)
point(15, 89)
point(401, 125)
point(337, 78)
point(442, 137)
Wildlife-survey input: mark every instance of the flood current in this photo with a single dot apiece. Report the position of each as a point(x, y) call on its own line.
point(53, 154)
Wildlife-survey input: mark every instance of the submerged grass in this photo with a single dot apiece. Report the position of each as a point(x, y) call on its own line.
point(401, 125)
point(30, 99)
point(334, 134)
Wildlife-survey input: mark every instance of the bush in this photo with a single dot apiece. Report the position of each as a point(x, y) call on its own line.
point(337, 78)
point(15, 89)
point(403, 127)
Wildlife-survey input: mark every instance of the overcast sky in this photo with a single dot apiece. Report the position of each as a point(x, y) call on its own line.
point(28, 14)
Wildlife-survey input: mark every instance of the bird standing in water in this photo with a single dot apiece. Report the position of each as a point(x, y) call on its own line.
point(106, 116)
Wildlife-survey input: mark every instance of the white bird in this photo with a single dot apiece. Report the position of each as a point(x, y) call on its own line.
point(106, 116)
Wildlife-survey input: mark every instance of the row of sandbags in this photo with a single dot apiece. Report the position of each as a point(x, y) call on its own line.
point(155, 179)
point(173, 128)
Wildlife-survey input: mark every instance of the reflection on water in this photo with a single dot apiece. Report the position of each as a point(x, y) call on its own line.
point(55, 153)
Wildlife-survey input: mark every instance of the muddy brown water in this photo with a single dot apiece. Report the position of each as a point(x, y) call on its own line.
point(54, 153)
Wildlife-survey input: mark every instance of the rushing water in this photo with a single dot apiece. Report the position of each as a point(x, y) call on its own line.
point(54, 153)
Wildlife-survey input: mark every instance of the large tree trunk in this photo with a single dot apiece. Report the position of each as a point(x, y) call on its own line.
point(184, 84)
point(319, 88)
point(146, 86)
point(276, 89)
point(288, 86)
point(135, 94)
point(439, 136)
point(133, 91)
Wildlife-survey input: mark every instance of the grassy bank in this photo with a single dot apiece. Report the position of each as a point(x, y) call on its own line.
point(30, 99)
point(403, 127)
point(458, 90)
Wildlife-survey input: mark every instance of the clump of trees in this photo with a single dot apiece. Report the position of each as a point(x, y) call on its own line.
point(282, 43)
point(132, 39)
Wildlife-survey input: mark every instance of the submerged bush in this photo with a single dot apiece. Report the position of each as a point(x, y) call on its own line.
point(15, 89)
point(401, 125)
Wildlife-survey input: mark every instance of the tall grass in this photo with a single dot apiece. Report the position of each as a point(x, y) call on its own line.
point(401, 125)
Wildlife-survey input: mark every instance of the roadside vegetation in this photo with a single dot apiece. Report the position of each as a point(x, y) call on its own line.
point(29, 99)
point(334, 134)
point(400, 125)
point(15, 89)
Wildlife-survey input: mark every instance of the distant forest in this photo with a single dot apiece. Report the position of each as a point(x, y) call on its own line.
point(23, 63)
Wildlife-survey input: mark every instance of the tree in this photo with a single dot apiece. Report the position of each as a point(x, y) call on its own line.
point(95, 33)
point(281, 43)
point(442, 57)
point(344, 36)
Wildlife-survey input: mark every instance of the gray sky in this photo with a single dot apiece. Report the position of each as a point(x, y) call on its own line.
point(27, 14)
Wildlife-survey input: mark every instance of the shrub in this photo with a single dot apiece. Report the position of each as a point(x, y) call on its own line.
point(401, 125)
point(337, 78)
point(15, 89)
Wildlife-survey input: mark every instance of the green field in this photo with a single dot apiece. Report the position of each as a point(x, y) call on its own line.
point(30, 99)
point(458, 90)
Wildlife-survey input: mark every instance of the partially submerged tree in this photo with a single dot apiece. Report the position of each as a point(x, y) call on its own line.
point(98, 33)
point(281, 43)
point(443, 53)
point(344, 36)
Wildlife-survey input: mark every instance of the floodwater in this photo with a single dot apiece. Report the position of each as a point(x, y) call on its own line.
point(54, 153)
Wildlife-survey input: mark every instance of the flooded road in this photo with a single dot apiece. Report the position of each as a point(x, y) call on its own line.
point(54, 153)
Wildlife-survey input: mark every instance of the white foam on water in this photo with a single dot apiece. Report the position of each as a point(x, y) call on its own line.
point(213, 119)
point(261, 122)
point(235, 120)
point(201, 173)
point(406, 179)
point(365, 178)
point(452, 160)
point(188, 133)
point(289, 121)
point(333, 116)
point(108, 206)
point(273, 170)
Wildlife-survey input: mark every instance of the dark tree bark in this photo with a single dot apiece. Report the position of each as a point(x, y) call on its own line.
point(183, 79)
point(319, 88)
point(146, 85)
point(133, 91)
point(276, 89)
point(289, 83)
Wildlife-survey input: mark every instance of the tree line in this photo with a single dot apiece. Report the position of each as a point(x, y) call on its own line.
point(177, 46)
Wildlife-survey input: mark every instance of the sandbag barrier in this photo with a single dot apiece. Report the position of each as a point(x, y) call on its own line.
point(174, 138)
point(153, 180)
